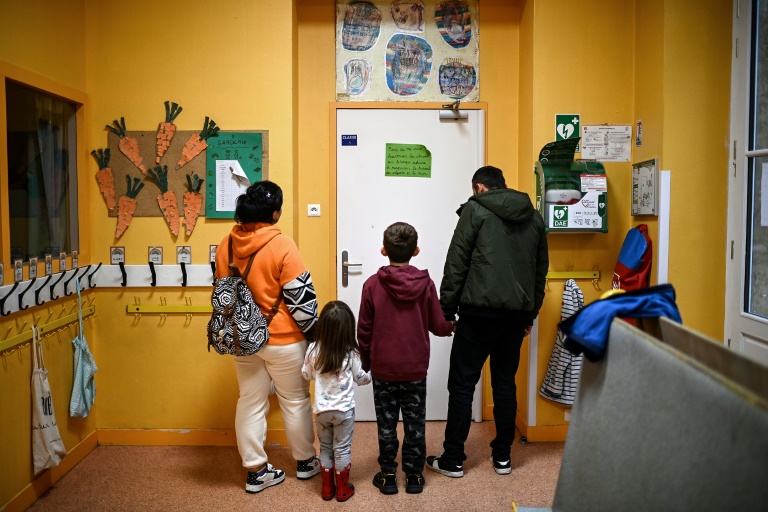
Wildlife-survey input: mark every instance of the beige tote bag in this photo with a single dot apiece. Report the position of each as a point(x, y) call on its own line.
point(47, 446)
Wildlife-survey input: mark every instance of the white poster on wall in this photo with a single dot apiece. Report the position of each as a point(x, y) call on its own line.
point(606, 143)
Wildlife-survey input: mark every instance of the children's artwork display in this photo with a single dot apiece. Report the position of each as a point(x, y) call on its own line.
point(407, 50)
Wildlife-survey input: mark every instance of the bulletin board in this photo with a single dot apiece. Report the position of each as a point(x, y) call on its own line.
point(147, 205)
point(645, 187)
point(233, 161)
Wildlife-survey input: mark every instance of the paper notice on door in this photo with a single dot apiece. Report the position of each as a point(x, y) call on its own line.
point(231, 182)
point(408, 161)
point(764, 195)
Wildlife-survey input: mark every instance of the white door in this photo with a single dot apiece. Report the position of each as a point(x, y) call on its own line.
point(368, 201)
point(747, 269)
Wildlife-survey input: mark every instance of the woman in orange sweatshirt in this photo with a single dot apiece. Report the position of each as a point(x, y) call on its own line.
point(277, 276)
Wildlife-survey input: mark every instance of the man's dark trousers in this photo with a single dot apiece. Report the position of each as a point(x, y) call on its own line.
point(476, 339)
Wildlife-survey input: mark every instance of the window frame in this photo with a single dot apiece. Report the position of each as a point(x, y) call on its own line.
point(65, 92)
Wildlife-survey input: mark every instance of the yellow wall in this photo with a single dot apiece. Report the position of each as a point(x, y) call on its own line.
point(260, 65)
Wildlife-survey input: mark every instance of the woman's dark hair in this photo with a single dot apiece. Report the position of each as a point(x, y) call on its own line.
point(490, 176)
point(259, 202)
point(335, 335)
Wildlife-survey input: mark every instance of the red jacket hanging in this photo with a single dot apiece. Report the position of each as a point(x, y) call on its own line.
point(633, 268)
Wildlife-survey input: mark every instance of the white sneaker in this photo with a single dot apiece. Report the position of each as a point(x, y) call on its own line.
point(267, 477)
point(501, 467)
point(306, 469)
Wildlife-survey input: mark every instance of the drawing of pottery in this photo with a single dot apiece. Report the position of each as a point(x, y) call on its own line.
point(357, 76)
point(457, 78)
point(454, 22)
point(409, 63)
point(361, 28)
point(408, 15)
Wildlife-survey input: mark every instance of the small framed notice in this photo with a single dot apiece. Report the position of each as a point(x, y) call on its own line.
point(155, 255)
point(184, 254)
point(33, 267)
point(645, 187)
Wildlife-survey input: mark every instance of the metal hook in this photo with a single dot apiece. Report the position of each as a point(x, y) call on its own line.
point(213, 269)
point(8, 333)
point(2, 301)
point(596, 284)
point(67, 293)
point(122, 271)
point(154, 276)
point(37, 292)
point(21, 294)
point(91, 284)
point(546, 284)
point(63, 273)
point(183, 274)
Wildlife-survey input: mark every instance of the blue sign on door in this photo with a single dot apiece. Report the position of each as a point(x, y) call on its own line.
point(349, 140)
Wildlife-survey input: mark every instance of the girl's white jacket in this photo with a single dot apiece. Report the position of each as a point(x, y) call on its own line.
point(334, 391)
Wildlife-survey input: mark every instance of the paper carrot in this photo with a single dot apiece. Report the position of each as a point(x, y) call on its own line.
point(105, 178)
point(167, 198)
point(128, 145)
point(193, 202)
point(197, 143)
point(126, 206)
point(166, 130)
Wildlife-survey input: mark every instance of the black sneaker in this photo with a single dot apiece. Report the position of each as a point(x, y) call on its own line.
point(306, 469)
point(435, 463)
point(501, 467)
point(414, 483)
point(386, 482)
point(267, 477)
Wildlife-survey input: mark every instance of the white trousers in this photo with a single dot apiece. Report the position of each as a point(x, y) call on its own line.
point(280, 364)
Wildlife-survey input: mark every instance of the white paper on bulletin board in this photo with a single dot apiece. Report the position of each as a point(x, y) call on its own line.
point(606, 143)
point(645, 186)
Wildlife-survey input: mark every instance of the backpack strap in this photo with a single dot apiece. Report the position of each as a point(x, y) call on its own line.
point(236, 272)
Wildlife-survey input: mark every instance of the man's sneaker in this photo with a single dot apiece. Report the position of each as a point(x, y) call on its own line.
point(501, 467)
point(435, 463)
point(267, 477)
point(386, 482)
point(306, 469)
point(414, 483)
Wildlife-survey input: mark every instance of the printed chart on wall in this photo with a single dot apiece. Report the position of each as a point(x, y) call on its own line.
point(234, 161)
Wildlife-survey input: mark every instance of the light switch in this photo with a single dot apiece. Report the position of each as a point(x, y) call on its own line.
point(313, 210)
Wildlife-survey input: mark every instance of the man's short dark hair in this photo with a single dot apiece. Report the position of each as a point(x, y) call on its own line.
point(400, 241)
point(490, 176)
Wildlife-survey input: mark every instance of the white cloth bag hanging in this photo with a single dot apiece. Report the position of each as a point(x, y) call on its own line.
point(83, 383)
point(564, 368)
point(47, 446)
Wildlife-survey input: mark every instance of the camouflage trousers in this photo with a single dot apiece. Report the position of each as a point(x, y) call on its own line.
point(409, 398)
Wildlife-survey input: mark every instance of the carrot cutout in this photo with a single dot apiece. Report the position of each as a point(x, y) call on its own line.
point(196, 143)
point(105, 178)
point(167, 198)
point(126, 206)
point(128, 145)
point(193, 202)
point(166, 130)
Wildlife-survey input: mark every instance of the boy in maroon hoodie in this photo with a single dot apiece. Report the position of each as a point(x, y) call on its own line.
point(398, 310)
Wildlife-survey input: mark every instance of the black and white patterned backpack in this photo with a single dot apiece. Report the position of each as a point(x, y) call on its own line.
point(237, 325)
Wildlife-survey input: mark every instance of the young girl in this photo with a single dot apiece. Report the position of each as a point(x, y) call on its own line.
point(333, 361)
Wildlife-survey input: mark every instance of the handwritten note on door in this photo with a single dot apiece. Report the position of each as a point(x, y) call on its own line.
point(408, 161)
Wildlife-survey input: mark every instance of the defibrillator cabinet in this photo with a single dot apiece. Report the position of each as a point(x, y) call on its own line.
point(572, 195)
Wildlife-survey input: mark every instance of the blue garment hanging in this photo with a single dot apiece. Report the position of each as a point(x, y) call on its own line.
point(83, 383)
point(587, 331)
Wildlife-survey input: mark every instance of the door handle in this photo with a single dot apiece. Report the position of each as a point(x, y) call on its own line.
point(345, 264)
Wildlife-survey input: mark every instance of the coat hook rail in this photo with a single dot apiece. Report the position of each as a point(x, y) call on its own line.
point(45, 328)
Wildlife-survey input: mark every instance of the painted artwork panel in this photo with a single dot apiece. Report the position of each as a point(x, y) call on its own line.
point(358, 74)
point(457, 78)
point(409, 64)
point(454, 21)
point(407, 50)
point(361, 28)
point(408, 15)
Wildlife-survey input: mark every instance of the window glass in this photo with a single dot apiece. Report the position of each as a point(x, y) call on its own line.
point(760, 78)
point(42, 172)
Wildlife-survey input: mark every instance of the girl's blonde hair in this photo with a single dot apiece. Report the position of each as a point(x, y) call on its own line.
point(335, 335)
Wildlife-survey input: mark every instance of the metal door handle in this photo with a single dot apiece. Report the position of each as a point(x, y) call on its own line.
point(345, 268)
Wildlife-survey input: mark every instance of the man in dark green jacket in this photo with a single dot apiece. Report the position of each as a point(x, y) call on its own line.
point(494, 277)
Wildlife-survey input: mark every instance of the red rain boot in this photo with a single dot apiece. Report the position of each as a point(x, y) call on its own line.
point(329, 485)
point(344, 489)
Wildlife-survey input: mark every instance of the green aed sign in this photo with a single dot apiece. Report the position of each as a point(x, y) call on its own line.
point(560, 217)
point(567, 126)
